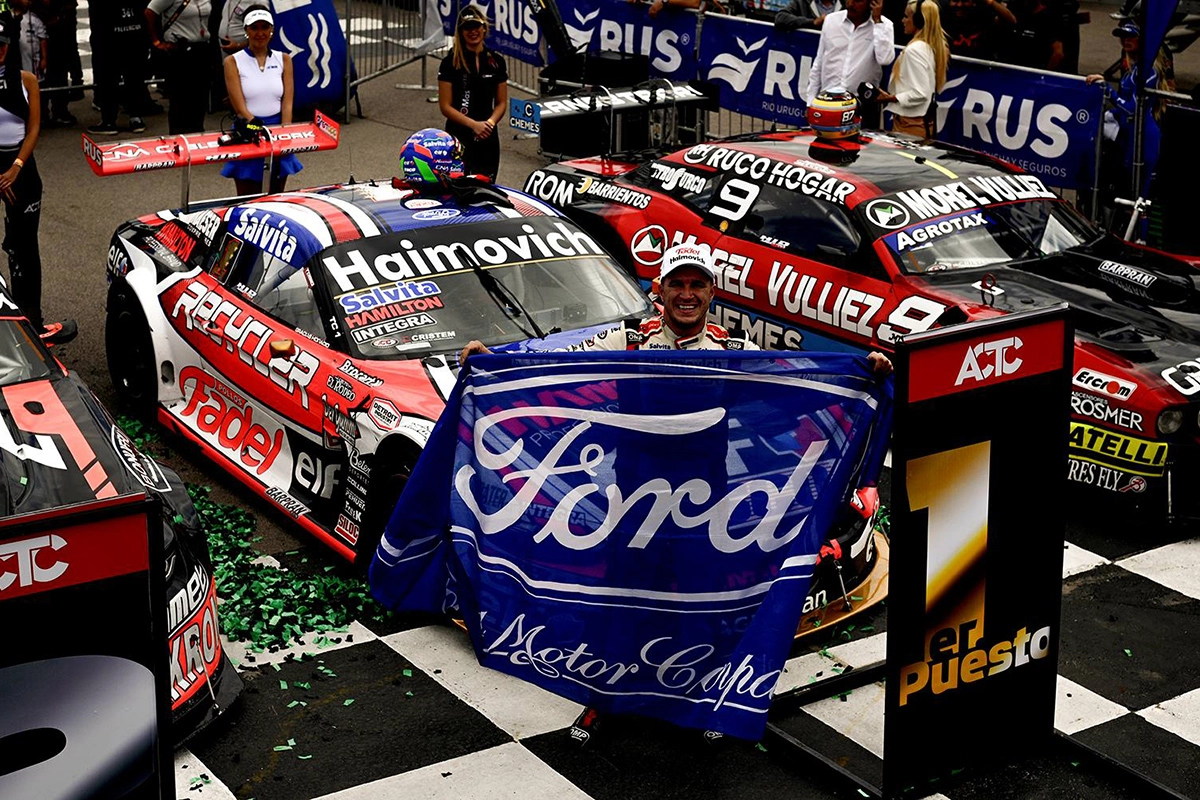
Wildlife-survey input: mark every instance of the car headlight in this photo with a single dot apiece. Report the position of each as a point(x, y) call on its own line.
point(1170, 421)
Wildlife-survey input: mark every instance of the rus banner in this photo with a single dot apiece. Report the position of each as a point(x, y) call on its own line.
point(635, 531)
point(760, 71)
point(1044, 122)
point(668, 40)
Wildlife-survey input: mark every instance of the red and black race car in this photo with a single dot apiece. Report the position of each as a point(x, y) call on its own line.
point(847, 246)
point(59, 447)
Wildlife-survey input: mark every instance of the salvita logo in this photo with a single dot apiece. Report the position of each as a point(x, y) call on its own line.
point(684, 505)
point(990, 359)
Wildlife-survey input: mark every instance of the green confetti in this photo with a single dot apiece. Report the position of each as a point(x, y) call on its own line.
point(856, 598)
point(408, 694)
point(760, 746)
point(293, 704)
point(407, 673)
point(349, 702)
point(24, 480)
point(304, 685)
point(277, 667)
point(292, 742)
point(304, 758)
point(279, 748)
point(1128, 652)
point(867, 628)
point(864, 794)
point(283, 685)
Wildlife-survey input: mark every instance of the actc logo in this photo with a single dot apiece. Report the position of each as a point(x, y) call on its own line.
point(990, 359)
point(23, 555)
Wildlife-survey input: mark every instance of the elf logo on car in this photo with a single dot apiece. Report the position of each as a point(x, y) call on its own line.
point(384, 414)
point(213, 409)
point(649, 244)
point(20, 560)
point(987, 359)
point(1106, 384)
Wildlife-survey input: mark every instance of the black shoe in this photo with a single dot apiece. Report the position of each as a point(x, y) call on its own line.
point(137, 124)
point(586, 727)
point(713, 738)
point(104, 129)
point(59, 332)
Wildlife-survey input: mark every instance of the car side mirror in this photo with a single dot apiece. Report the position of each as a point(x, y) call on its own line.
point(282, 348)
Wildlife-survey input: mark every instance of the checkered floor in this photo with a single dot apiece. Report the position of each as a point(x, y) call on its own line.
point(407, 712)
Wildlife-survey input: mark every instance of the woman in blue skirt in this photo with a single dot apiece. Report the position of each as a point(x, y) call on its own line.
point(259, 82)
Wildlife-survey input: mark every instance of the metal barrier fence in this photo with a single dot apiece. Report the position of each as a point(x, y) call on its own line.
point(382, 36)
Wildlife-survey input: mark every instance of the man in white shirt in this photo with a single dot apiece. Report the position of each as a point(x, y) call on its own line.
point(856, 44)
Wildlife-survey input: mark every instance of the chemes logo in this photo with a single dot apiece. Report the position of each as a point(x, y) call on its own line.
point(736, 71)
point(887, 214)
point(990, 359)
point(1105, 384)
point(648, 245)
point(19, 561)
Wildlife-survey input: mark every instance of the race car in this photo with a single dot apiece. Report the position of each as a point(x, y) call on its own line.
point(59, 447)
point(850, 245)
point(307, 341)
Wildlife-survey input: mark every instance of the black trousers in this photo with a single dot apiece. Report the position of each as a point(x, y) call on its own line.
point(187, 73)
point(120, 70)
point(22, 214)
point(479, 157)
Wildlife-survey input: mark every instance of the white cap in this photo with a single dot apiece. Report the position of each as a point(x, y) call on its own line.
point(687, 255)
point(258, 15)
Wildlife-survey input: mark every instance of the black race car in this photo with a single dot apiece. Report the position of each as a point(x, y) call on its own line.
point(59, 447)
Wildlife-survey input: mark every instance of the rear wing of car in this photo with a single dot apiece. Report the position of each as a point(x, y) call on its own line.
point(209, 147)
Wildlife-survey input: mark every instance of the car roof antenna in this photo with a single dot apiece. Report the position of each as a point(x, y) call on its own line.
point(350, 155)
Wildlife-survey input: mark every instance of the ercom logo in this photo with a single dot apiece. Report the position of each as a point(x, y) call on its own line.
point(990, 359)
point(19, 561)
point(1104, 384)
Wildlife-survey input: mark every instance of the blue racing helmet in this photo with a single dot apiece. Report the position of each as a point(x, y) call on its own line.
point(431, 156)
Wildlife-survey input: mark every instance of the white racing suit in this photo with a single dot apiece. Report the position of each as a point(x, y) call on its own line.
point(654, 334)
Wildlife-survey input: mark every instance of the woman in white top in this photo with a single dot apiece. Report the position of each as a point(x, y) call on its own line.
point(919, 72)
point(259, 82)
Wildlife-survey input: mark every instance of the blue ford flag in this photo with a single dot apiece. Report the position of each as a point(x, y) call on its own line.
point(309, 31)
point(635, 531)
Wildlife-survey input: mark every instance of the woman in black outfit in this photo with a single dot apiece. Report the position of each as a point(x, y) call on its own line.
point(473, 93)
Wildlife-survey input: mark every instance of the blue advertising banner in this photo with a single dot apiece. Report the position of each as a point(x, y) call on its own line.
point(310, 33)
point(668, 40)
point(760, 71)
point(635, 531)
point(1046, 123)
point(514, 32)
